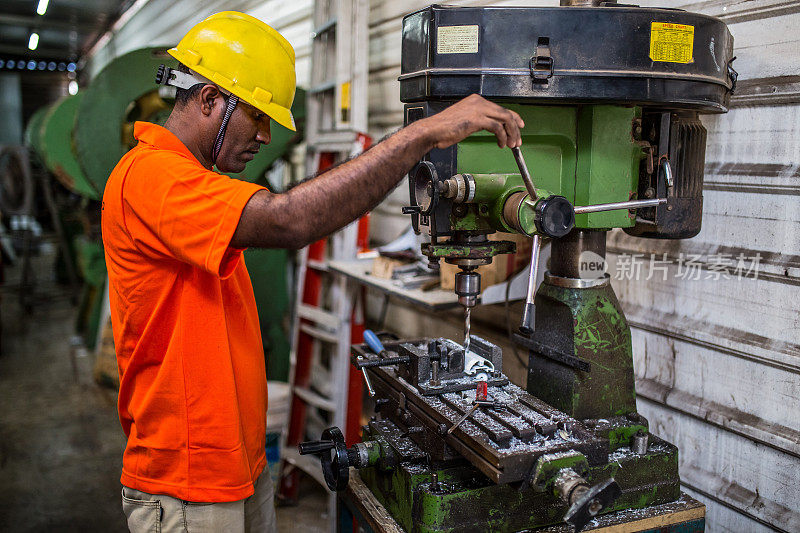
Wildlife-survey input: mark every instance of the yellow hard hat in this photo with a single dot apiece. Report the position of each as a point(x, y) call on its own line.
point(246, 57)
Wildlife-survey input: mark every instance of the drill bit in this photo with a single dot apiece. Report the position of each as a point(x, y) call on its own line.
point(467, 313)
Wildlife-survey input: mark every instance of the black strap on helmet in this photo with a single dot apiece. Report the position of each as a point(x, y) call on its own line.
point(232, 101)
point(183, 80)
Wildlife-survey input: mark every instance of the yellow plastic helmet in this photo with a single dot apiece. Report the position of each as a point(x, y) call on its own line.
point(245, 57)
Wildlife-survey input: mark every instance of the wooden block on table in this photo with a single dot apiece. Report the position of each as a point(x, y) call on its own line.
point(383, 267)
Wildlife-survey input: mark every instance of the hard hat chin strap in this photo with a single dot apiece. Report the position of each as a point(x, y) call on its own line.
point(232, 101)
point(183, 80)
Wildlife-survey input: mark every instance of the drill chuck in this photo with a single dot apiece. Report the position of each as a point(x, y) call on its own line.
point(468, 287)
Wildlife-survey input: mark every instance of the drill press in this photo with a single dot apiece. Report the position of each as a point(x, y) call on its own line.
point(611, 98)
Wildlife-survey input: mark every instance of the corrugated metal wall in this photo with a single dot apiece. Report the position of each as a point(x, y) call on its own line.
point(717, 358)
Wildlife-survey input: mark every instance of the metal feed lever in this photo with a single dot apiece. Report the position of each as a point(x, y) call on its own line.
point(529, 313)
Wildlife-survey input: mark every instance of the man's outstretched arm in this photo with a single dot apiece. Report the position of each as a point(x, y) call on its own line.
point(335, 198)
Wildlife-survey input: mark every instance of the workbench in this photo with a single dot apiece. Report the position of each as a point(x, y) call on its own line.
point(358, 271)
point(685, 515)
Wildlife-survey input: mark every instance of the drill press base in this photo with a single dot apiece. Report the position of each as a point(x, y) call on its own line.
point(685, 515)
point(454, 496)
point(502, 469)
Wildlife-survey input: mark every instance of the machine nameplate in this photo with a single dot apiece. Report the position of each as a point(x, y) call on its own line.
point(457, 39)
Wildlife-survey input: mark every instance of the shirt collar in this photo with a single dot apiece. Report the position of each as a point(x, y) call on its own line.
point(160, 137)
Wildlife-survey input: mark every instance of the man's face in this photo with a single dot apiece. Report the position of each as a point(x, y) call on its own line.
point(248, 129)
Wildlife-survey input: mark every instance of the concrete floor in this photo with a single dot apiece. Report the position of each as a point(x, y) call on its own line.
point(60, 439)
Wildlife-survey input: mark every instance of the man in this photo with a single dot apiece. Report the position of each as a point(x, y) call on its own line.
point(193, 396)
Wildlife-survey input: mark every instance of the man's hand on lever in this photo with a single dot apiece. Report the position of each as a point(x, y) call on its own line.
point(473, 114)
point(335, 198)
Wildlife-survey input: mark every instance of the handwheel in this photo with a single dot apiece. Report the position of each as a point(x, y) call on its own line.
point(336, 465)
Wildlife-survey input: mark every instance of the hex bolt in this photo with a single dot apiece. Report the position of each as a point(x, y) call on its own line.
point(639, 443)
point(435, 374)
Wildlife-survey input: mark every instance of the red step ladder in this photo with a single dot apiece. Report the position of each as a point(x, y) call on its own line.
point(329, 318)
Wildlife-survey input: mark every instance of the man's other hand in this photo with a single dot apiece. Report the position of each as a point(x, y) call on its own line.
point(470, 115)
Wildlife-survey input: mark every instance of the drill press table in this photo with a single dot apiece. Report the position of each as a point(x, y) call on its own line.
point(685, 515)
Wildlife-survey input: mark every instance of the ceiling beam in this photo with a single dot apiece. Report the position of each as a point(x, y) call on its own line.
point(48, 22)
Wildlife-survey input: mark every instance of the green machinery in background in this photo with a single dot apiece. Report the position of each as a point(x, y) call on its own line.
point(611, 98)
point(81, 138)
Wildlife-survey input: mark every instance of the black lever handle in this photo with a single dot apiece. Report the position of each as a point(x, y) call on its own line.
point(332, 452)
point(315, 447)
point(371, 363)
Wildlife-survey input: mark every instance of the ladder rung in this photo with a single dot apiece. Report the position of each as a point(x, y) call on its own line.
point(312, 398)
point(320, 316)
point(307, 463)
point(322, 87)
point(324, 27)
point(317, 265)
point(320, 334)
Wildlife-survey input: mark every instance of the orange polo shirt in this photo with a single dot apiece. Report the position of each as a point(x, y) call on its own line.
point(193, 386)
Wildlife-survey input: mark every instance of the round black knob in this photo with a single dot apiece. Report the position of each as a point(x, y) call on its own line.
point(555, 216)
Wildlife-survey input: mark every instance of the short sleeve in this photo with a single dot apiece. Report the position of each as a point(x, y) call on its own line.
point(175, 207)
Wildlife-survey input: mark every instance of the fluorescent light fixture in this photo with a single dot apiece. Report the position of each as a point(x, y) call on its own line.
point(33, 42)
point(73, 87)
point(42, 7)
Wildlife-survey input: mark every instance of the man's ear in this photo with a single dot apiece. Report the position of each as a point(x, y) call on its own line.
point(208, 99)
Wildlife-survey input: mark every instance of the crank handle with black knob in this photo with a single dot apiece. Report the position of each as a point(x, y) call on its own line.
point(337, 459)
point(588, 502)
point(376, 346)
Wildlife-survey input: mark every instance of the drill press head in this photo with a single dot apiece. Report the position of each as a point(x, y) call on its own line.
point(460, 212)
point(632, 134)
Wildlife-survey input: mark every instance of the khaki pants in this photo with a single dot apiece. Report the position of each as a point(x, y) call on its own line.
point(158, 513)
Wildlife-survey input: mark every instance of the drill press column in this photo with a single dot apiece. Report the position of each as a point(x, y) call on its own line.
point(567, 253)
point(581, 359)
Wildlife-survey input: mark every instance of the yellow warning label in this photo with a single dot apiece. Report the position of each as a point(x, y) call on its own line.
point(671, 42)
point(344, 102)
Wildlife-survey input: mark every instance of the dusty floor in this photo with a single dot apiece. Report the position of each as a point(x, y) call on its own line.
point(60, 440)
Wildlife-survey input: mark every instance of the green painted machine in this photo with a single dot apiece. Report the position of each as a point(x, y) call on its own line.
point(81, 138)
point(611, 97)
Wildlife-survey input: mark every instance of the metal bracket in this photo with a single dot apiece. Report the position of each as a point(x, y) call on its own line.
point(541, 64)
